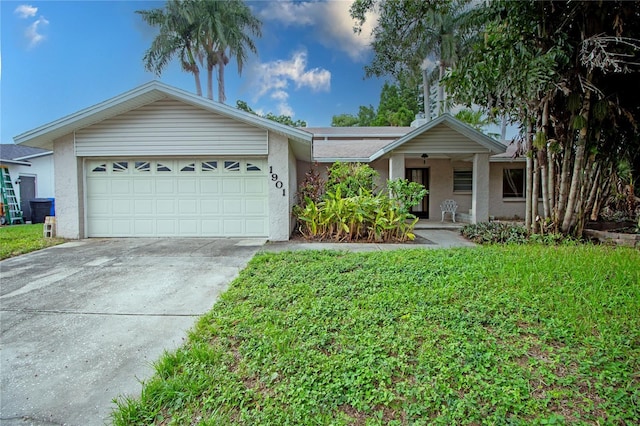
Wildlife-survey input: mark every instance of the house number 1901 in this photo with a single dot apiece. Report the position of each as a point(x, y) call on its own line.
point(278, 183)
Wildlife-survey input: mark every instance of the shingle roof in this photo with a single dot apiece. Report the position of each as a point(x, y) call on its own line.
point(9, 151)
point(356, 150)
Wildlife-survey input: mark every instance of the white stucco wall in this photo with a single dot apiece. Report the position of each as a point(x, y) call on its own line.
point(280, 190)
point(42, 169)
point(68, 189)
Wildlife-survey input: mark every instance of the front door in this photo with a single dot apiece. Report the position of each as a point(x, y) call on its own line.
point(27, 193)
point(420, 176)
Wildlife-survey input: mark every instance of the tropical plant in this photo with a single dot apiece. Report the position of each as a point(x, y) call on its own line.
point(406, 194)
point(202, 34)
point(177, 36)
point(351, 178)
point(350, 210)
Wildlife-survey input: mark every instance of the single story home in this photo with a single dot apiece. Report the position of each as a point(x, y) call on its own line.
point(158, 161)
point(31, 171)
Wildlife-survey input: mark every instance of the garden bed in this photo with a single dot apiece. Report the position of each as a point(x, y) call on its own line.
point(618, 233)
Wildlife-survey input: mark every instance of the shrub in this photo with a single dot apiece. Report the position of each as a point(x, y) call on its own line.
point(495, 232)
point(406, 194)
point(509, 233)
point(312, 186)
point(351, 178)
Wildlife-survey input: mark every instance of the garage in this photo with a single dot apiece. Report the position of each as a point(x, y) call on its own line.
point(212, 197)
point(157, 161)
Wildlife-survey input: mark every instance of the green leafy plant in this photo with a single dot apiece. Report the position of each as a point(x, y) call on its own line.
point(406, 194)
point(311, 187)
point(351, 178)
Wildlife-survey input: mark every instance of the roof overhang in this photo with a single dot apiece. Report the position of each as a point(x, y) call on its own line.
point(43, 136)
point(480, 138)
point(4, 162)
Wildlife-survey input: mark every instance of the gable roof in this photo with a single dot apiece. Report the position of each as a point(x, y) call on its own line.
point(153, 91)
point(367, 144)
point(476, 136)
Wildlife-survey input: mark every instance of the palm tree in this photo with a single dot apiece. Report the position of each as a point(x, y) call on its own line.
point(177, 36)
point(203, 33)
point(225, 27)
point(444, 39)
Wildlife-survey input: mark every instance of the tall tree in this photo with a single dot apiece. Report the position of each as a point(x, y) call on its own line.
point(410, 31)
point(566, 71)
point(177, 36)
point(282, 119)
point(203, 33)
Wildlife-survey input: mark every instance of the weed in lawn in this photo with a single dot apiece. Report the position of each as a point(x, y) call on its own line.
point(496, 335)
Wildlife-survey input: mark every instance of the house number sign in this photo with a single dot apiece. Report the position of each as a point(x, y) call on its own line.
point(278, 183)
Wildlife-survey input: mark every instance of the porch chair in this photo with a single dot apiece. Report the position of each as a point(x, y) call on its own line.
point(449, 206)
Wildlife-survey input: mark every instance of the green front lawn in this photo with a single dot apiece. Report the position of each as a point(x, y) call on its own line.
point(491, 335)
point(21, 239)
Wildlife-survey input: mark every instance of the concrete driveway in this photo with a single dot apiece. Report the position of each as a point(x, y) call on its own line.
point(81, 323)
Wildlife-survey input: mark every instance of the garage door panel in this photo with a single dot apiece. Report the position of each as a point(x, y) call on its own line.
point(143, 186)
point(255, 227)
point(208, 207)
point(232, 207)
point(165, 186)
point(255, 206)
point(232, 227)
point(188, 227)
point(231, 186)
point(120, 186)
point(166, 207)
point(121, 227)
point(98, 186)
point(254, 186)
point(211, 227)
point(143, 227)
point(190, 197)
point(143, 207)
point(210, 185)
point(189, 207)
point(121, 207)
point(187, 186)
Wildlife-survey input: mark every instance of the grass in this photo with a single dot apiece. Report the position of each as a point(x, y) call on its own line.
point(493, 335)
point(21, 239)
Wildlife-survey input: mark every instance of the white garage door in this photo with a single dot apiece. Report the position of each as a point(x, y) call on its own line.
point(177, 197)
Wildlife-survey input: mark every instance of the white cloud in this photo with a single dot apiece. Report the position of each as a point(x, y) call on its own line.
point(274, 78)
point(31, 33)
point(26, 11)
point(330, 20)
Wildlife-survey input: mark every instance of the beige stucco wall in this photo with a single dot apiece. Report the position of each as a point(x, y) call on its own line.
point(499, 207)
point(68, 189)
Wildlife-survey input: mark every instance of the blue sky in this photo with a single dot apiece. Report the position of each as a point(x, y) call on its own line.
point(60, 57)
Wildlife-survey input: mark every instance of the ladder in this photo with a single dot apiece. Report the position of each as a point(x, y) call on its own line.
point(12, 212)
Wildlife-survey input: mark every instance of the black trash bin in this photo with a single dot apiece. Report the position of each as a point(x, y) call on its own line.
point(40, 208)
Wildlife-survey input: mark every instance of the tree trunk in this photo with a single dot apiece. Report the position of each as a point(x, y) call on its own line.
point(565, 178)
point(427, 95)
point(542, 162)
point(578, 163)
point(535, 192)
point(441, 108)
point(551, 183)
point(529, 180)
point(595, 186)
point(196, 76)
point(221, 64)
point(210, 68)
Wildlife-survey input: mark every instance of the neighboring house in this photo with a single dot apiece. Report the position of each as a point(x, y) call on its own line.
point(159, 161)
point(31, 171)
